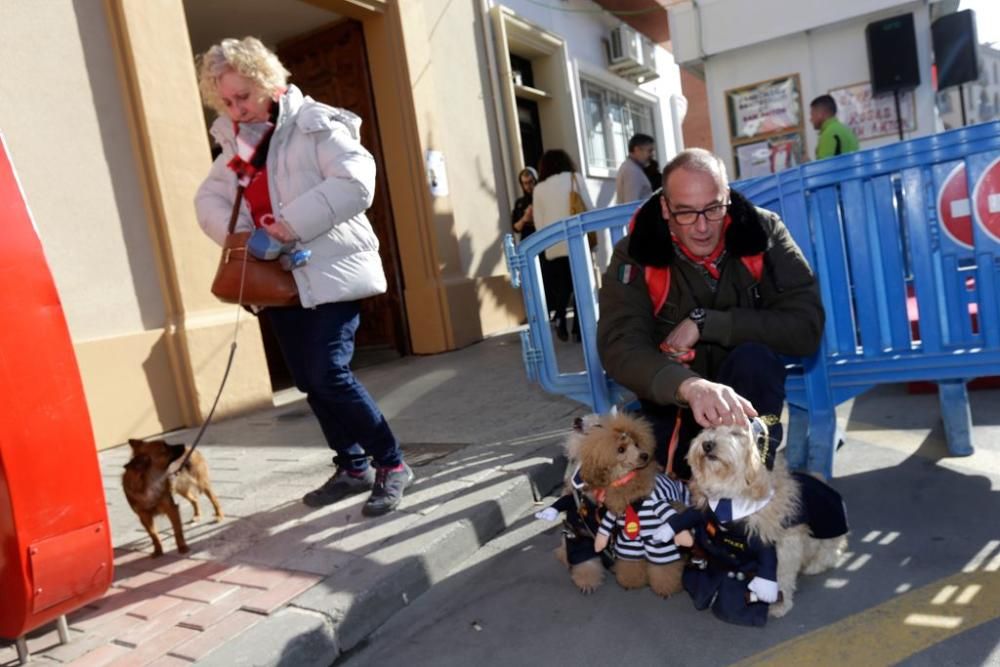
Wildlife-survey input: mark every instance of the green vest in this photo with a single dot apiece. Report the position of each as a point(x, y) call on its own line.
point(835, 138)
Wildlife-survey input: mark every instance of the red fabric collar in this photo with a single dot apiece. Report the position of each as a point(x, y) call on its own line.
point(600, 494)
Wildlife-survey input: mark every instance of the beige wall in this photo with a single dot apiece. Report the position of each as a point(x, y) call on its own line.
point(454, 114)
point(65, 123)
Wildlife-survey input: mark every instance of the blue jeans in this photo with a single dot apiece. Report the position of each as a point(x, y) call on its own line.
point(317, 344)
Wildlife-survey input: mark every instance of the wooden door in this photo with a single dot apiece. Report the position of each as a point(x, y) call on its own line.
point(331, 66)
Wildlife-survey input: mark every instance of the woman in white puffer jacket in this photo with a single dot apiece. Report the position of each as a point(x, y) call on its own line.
point(308, 182)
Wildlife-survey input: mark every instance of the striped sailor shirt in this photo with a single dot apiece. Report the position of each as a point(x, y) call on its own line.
point(653, 512)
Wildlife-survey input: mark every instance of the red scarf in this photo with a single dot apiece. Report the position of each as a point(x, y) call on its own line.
point(708, 263)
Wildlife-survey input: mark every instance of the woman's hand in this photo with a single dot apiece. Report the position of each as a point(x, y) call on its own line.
point(279, 229)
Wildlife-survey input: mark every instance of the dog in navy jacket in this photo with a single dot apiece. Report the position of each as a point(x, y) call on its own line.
point(756, 526)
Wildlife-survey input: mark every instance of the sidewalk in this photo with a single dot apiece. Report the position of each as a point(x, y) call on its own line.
point(277, 582)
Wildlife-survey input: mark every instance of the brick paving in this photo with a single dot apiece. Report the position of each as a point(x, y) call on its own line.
point(170, 611)
point(235, 587)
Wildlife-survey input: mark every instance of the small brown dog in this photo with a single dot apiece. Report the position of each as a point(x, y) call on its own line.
point(617, 463)
point(149, 487)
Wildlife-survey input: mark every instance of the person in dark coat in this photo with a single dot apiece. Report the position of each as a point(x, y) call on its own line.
point(699, 301)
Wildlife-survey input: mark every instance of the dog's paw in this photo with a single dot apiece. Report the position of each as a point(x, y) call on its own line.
point(219, 518)
point(184, 549)
point(588, 576)
point(195, 520)
point(779, 609)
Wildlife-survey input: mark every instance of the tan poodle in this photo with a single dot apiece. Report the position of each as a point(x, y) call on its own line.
point(618, 468)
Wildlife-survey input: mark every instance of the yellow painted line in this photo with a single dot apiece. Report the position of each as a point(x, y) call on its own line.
point(896, 629)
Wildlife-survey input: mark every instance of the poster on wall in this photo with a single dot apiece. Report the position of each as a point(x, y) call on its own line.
point(768, 156)
point(872, 116)
point(765, 107)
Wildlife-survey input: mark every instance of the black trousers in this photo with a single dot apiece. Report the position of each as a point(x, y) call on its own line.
point(754, 372)
point(560, 288)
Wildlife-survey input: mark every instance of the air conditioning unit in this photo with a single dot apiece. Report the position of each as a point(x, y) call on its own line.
point(631, 55)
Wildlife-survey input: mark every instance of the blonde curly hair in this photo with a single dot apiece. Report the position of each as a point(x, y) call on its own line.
point(247, 57)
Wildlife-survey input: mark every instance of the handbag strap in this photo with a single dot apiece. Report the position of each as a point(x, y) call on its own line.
point(236, 209)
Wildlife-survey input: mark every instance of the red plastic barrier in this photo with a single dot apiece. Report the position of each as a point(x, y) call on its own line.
point(55, 542)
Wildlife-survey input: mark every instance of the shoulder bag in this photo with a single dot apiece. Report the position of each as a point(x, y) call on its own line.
point(244, 279)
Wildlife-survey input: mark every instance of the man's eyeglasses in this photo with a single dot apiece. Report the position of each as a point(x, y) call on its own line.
point(713, 213)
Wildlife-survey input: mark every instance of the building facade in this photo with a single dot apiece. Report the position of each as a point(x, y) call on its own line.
point(106, 129)
point(763, 62)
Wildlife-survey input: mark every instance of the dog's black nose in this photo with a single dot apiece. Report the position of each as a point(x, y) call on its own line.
point(708, 446)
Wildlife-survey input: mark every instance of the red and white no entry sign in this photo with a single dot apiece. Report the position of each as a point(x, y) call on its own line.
point(987, 200)
point(954, 208)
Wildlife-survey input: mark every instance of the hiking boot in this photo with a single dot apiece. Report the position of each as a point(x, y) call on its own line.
point(339, 486)
point(388, 490)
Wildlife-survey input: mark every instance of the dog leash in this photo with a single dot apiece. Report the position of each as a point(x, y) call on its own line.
point(232, 346)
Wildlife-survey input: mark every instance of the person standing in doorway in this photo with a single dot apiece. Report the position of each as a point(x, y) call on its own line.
point(835, 138)
point(633, 183)
point(307, 180)
point(557, 177)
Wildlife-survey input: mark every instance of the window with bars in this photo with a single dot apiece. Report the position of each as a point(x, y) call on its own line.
point(610, 120)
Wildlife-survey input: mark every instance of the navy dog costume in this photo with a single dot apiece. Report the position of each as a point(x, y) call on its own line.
point(728, 557)
point(580, 525)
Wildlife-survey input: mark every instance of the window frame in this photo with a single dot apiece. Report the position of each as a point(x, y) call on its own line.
point(588, 77)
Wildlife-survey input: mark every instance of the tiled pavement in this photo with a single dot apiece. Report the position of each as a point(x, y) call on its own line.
point(279, 582)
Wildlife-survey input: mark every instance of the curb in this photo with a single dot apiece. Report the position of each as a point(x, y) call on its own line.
point(324, 623)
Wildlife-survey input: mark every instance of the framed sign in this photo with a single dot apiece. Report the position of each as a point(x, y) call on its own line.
point(764, 108)
point(768, 156)
point(872, 116)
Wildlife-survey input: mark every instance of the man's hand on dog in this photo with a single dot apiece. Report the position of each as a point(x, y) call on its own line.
point(713, 404)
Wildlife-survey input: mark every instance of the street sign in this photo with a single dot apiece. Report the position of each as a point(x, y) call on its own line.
point(954, 208)
point(987, 200)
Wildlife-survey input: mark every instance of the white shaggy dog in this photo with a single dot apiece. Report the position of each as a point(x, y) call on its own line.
point(729, 463)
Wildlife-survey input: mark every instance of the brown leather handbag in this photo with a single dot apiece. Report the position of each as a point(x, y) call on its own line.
point(244, 279)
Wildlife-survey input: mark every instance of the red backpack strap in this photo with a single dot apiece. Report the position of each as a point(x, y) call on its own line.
point(755, 265)
point(658, 285)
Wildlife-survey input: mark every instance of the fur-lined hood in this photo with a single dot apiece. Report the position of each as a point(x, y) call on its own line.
point(650, 243)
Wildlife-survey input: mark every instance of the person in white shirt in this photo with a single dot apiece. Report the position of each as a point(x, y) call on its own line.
point(632, 182)
point(557, 177)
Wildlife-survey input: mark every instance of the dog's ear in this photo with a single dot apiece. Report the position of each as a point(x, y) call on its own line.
point(135, 444)
point(758, 485)
point(139, 463)
point(593, 469)
point(175, 452)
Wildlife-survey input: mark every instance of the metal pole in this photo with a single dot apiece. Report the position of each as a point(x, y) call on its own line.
point(961, 101)
point(62, 627)
point(899, 116)
point(22, 650)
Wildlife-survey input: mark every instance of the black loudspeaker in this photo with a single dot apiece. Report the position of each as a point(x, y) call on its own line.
point(892, 54)
point(954, 38)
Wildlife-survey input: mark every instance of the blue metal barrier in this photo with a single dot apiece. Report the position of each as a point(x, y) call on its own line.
point(887, 231)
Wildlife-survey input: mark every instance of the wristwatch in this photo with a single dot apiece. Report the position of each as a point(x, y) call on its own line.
point(697, 315)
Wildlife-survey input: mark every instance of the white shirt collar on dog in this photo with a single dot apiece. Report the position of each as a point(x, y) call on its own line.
point(738, 507)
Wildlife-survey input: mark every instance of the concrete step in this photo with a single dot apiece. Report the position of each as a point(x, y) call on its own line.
point(352, 602)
